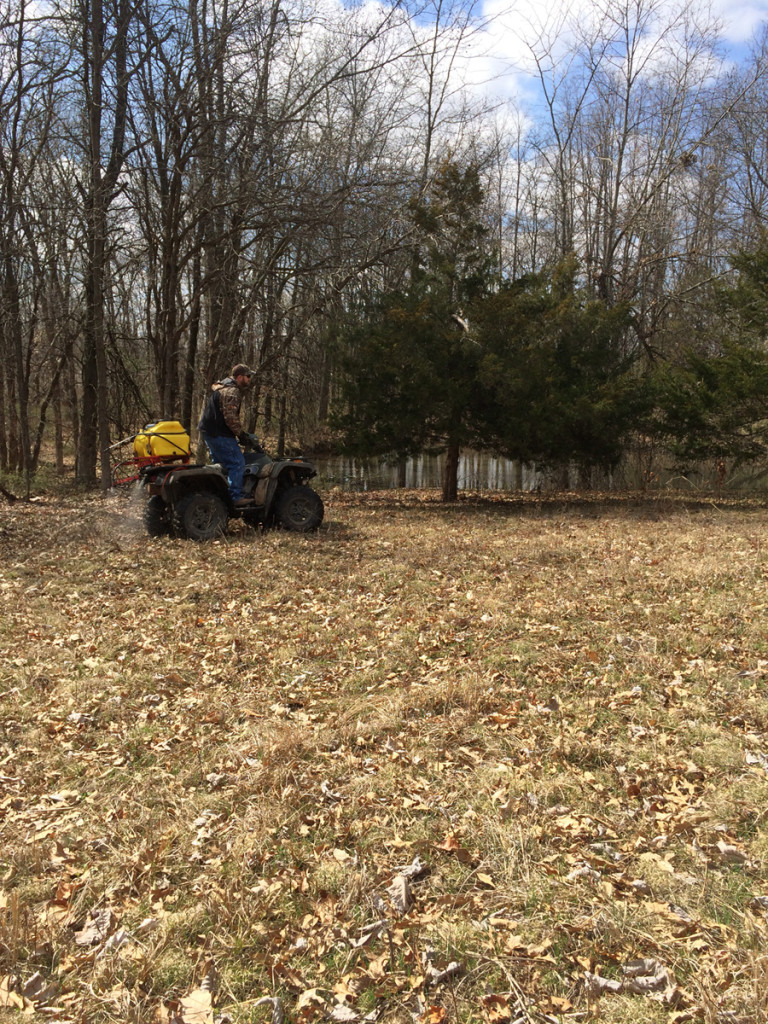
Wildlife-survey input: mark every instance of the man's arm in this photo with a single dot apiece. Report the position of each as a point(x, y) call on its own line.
point(230, 408)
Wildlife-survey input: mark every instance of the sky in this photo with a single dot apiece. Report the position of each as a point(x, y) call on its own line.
point(742, 20)
point(503, 56)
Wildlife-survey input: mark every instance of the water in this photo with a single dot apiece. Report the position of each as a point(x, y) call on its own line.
point(478, 471)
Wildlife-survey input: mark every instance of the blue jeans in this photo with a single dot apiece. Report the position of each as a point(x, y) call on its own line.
point(227, 451)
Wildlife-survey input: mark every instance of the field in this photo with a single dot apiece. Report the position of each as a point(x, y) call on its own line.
point(501, 761)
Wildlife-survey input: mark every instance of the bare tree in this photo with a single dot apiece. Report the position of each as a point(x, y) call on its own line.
point(29, 70)
point(104, 72)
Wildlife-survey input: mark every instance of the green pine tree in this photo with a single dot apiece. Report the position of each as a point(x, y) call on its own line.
point(411, 367)
point(712, 402)
point(565, 390)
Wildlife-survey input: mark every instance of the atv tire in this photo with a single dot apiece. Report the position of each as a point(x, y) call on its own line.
point(299, 509)
point(200, 516)
point(156, 517)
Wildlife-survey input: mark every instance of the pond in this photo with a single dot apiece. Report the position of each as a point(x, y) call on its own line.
point(478, 471)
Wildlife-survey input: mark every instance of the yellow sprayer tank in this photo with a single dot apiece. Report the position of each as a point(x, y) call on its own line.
point(162, 440)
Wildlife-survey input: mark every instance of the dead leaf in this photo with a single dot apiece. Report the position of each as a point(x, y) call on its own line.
point(434, 1015)
point(450, 844)
point(657, 861)
point(197, 1007)
point(38, 990)
point(400, 894)
point(97, 927)
point(728, 854)
point(313, 1002)
point(496, 1008)
point(558, 1004)
point(377, 968)
point(435, 977)
point(8, 994)
point(120, 997)
point(277, 1008)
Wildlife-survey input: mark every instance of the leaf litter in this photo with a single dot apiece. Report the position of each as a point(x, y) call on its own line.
point(504, 760)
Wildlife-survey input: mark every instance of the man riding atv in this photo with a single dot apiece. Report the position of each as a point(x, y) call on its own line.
point(221, 429)
point(191, 500)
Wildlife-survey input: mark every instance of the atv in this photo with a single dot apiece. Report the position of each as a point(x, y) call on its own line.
point(191, 500)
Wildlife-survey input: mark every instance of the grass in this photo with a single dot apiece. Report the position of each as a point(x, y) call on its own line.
point(557, 705)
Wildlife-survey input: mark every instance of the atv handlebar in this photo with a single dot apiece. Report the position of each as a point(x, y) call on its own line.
point(251, 441)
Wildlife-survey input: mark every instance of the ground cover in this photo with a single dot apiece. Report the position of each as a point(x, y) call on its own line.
point(502, 761)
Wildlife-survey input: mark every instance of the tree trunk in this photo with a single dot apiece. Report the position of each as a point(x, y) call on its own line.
point(451, 475)
point(73, 405)
point(4, 440)
point(12, 420)
point(16, 346)
point(94, 432)
point(58, 428)
point(283, 407)
point(188, 392)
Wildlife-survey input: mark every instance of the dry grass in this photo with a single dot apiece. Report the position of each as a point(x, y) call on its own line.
point(559, 706)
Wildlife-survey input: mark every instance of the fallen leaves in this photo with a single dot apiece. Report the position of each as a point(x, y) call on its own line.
point(503, 764)
point(34, 994)
point(97, 927)
point(645, 977)
point(399, 892)
point(196, 1008)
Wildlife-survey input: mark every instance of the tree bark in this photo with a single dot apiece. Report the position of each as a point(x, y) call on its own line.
point(451, 474)
point(94, 426)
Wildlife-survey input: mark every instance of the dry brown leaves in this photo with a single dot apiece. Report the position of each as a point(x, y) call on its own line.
point(506, 761)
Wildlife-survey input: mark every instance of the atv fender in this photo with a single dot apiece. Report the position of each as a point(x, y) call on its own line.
point(174, 484)
point(284, 473)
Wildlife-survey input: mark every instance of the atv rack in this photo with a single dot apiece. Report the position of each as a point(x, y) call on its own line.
point(127, 471)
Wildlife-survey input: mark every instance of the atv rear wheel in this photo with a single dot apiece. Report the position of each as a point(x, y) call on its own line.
point(156, 517)
point(200, 516)
point(299, 508)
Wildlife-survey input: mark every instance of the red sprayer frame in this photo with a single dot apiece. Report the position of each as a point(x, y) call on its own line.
point(133, 466)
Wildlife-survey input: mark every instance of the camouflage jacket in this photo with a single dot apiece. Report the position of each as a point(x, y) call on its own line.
point(223, 409)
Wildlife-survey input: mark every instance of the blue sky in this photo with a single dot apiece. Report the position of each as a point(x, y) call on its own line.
point(503, 50)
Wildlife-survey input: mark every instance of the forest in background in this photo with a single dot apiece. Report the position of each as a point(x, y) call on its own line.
point(315, 189)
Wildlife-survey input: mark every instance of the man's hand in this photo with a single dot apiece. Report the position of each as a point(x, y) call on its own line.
point(249, 441)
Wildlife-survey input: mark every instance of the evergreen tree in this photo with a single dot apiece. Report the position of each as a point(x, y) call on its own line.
point(562, 385)
point(533, 369)
point(412, 368)
point(712, 403)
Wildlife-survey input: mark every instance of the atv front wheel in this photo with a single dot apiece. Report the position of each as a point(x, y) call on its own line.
point(299, 508)
point(156, 517)
point(200, 516)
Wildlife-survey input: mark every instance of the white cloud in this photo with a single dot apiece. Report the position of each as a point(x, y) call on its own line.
point(502, 61)
point(742, 21)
